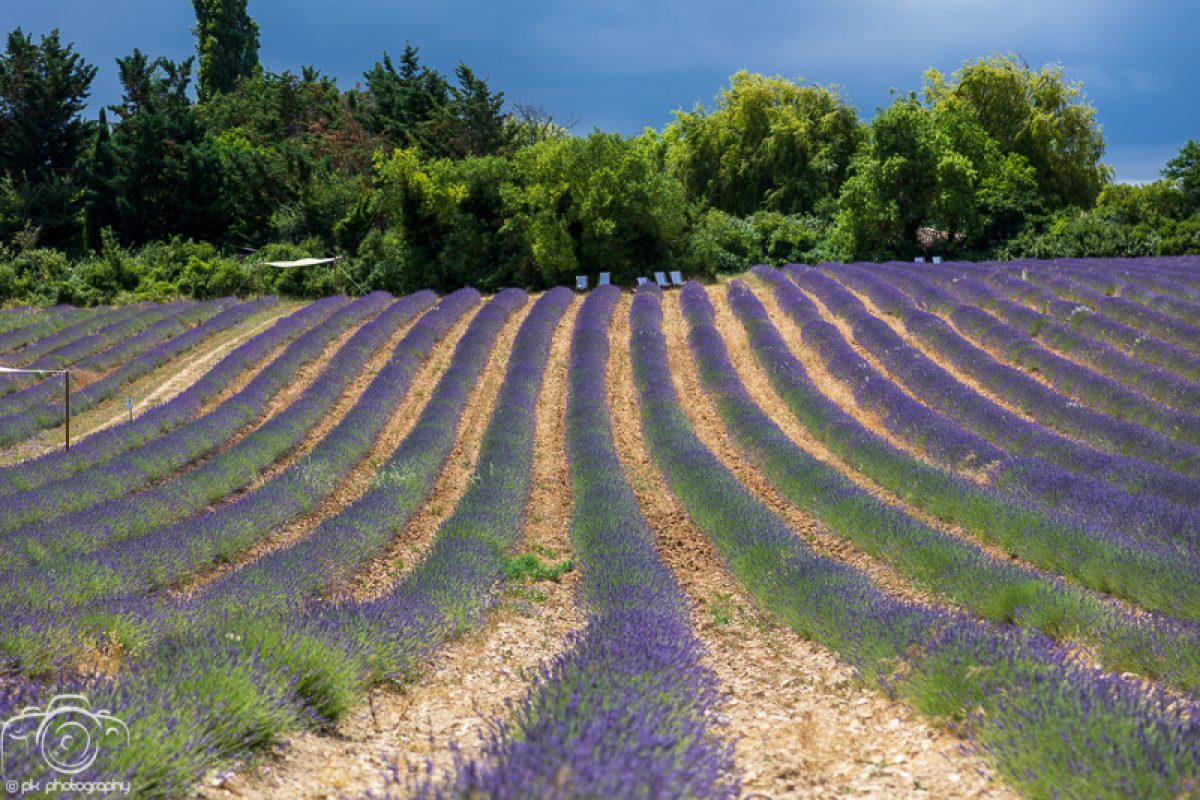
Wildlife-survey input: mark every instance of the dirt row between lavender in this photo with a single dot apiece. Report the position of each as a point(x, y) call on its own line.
point(806, 726)
point(156, 387)
point(472, 680)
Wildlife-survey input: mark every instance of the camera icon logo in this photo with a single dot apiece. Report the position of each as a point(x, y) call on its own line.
point(67, 734)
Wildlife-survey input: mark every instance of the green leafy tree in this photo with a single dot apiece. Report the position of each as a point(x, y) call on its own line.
point(227, 41)
point(413, 204)
point(1036, 114)
point(43, 89)
point(894, 182)
point(293, 156)
point(603, 203)
point(769, 144)
point(1184, 171)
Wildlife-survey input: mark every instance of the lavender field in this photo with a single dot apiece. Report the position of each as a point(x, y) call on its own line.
point(867, 530)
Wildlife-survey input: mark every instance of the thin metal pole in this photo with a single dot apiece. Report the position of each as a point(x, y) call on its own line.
point(67, 404)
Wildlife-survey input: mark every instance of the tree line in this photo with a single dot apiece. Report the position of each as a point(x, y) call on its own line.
point(421, 179)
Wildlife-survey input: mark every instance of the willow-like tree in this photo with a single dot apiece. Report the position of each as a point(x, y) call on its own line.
point(227, 41)
point(1035, 113)
point(768, 143)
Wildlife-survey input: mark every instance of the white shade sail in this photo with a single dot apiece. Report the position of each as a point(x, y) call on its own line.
point(304, 262)
point(33, 371)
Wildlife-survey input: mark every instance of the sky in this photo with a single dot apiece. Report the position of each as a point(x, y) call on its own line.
point(621, 65)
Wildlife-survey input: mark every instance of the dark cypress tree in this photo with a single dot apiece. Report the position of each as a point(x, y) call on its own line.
point(168, 176)
point(406, 104)
point(227, 41)
point(479, 127)
point(99, 205)
point(43, 89)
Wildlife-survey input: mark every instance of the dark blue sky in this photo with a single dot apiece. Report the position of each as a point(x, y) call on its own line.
point(621, 65)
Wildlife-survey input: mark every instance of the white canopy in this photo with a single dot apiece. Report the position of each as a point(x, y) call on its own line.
point(33, 371)
point(304, 262)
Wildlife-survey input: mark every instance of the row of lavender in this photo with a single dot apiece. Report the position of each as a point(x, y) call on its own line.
point(15, 318)
point(954, 569)
point(19, 330)
point(627, 710)
point(109, 443)
point(1144, 348)
point(229, 671)
point(1097, 558)
point(147, 352)
point(1113, 416)
point(88, 353)
point(1148, 503)
point(83, 525)
point(160, 456)
point(56, 337)
point(1153, 396)
point(1053, 725)
point(62, 568)
point(311, 659)
point(1080, 297)
point(1165, 295)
